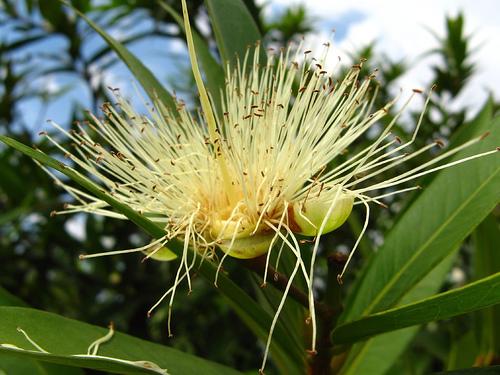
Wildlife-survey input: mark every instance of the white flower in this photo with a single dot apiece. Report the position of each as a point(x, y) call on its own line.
point(254, 175)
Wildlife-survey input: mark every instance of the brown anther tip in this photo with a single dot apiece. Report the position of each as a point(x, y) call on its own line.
point(308, 320)
point(312, 352)
point(261, 372)
point(417, 91)
point(148, 314)
point(48, 120)
point(484, 135)
point(34, 146)
point(398, 139)
point(53, 213)
point(384, 205)
point(498, 148)
point(19, 329)
point(263, 284)
point(170, 335)
point(42, 133)
point(190, 292)
point(62, 165)
point(434, 86)
point(339, 279)
point(216, 285)
point(144, 259)
point(81, 257)
point(111, 326)
point(439, 143)
point(419, 187)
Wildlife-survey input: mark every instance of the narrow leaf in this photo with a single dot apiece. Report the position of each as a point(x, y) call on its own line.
point(214, 73)
point(447, 210)
point(10, 365)
point(67, 342)
point(474, 296)
point(377, 355)
point(147, 80)
point(491, 370)
point(234, 29)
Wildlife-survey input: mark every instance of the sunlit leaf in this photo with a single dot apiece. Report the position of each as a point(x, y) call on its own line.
point(234, 29)
point(66, 340)
point(474, 296)
point(457, 200)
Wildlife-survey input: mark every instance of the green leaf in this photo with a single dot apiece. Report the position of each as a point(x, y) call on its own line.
point(234, 29)
point(8, 299)
point(474, 296)
point(491, 370)
point(463, 350)
point(256, 318)
point(447, 210)
point(377, 355)
point(147, 80)
point(64, 338)
point(486, 258)
point(214, 73)
point(10, 365)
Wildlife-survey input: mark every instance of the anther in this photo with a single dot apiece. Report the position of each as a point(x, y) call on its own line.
point(484, 135)
point(439, 143)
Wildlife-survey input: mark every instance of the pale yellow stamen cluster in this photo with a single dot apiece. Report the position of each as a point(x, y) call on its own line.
point(252, 176)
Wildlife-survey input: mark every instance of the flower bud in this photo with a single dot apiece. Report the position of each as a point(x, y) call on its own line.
point(163, 254)
point(307, 218)
point(246, 244)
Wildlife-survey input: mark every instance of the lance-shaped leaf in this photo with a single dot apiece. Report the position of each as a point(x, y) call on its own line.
point(214, 73)
point(490, 370)
point(147, 80)
point(474, 296)
point(234, 29)
point(447, 210)
point(67, 341)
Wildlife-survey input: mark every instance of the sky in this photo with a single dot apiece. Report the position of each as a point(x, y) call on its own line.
point(402, 31)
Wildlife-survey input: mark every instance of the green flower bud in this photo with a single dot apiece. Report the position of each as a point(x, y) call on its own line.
point(307, 218)
point(246, 244)
point(163, 254)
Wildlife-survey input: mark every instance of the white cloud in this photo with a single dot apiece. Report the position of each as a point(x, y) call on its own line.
point(401, 31)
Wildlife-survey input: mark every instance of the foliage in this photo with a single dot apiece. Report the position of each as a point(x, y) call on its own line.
point(424, 234)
